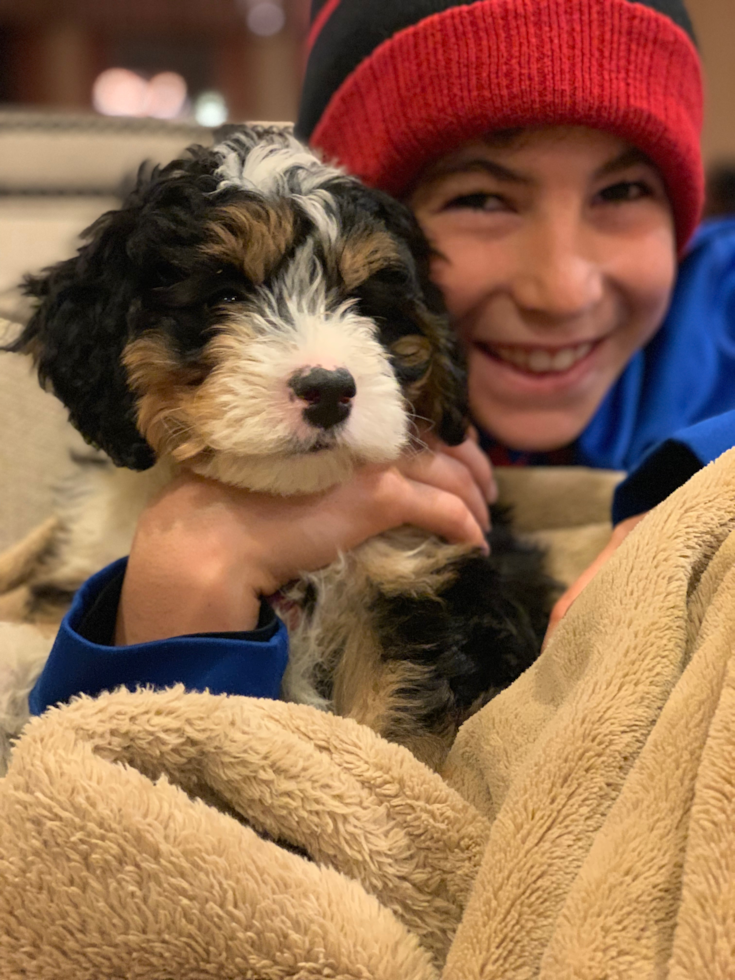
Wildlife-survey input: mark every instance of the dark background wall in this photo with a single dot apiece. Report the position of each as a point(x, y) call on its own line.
point(52, 50)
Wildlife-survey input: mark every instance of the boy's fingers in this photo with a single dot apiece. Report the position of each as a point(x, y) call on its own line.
point(452, 475)
point(444, 514)
point(392, 499)
point(561, 607)
point(470, 455)
point(478, 464)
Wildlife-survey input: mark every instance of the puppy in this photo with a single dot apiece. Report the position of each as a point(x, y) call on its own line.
point(263, 319)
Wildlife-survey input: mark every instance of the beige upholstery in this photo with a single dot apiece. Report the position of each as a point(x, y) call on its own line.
point(57, 174)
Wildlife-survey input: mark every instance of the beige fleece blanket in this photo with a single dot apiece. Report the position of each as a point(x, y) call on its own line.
point(585, 827)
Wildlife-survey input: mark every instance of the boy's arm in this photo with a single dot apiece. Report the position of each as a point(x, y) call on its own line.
point(84, 660)
point(671, 464)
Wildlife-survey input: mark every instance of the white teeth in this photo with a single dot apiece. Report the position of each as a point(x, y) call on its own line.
point(540, 361)
point(562, 360)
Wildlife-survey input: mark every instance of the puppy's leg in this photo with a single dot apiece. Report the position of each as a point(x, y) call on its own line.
point(19, 563)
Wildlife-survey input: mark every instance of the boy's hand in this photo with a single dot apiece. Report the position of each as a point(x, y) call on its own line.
point(204, 553)
point(562, 605)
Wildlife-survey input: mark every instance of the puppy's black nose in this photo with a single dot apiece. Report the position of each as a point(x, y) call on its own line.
point(329, 395)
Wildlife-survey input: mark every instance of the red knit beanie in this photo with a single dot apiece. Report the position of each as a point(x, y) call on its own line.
point(391, 85)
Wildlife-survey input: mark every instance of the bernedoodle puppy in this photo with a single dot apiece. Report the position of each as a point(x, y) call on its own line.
point(265, 320)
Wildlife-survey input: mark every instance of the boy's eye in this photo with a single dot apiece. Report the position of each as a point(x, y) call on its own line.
point(478, 202)
point(626, 190)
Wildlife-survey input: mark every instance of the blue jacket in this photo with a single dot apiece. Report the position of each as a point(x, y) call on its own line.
point(83, 660)
point(672, 411)
point(673, 408)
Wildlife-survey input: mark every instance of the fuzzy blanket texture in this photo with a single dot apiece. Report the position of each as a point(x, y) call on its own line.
point(584, 826)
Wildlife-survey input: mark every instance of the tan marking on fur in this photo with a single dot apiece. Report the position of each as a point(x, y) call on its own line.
point(168, 391)
point(33, 349)
point(429, 396)
point(342, 637)
point(365, 687)
point(253, 236)
point(373, 692)
point(414, 350)
point(405, 561)
point(364, 254)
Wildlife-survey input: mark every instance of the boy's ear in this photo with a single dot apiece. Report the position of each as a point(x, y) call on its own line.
point(77, 334)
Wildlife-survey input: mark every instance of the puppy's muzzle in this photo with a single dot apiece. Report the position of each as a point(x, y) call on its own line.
point(328, 395)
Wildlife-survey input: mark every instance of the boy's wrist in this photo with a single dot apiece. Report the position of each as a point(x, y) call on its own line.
point(159, 600)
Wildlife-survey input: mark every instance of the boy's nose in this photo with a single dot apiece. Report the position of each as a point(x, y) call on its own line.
point(557, 277)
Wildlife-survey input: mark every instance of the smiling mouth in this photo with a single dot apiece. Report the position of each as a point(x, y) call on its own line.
point(538, 360)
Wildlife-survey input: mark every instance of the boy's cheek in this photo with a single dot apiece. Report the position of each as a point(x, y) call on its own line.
point(458, 295)
point(647, 263)
point(649, 284)
point(466, 276)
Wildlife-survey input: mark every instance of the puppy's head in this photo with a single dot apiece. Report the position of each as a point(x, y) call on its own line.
point(254, 314)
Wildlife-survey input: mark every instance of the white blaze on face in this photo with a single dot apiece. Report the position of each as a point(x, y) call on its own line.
point(252, 418)
point(281, 166)
point(246, 411)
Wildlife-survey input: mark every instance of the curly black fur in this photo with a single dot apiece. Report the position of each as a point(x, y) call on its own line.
point(477, 635)
point(91, 305)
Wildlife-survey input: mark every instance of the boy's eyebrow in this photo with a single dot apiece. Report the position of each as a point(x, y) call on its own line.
point(627, 158)
point(497, 170)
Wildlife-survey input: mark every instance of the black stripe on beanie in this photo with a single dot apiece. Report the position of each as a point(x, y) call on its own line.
point(316, 6)
point(352, 32)
point(674, 10)
point(356, 27)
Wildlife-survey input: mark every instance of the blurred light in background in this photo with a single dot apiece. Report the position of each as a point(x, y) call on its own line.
point(166, 95)
point(121, 92)
point(131, 58)
point(210, 109)
point(264, 17)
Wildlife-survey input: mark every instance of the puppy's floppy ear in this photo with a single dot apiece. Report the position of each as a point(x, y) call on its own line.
point(90, 306)
point(77, 333)
point(443, 397)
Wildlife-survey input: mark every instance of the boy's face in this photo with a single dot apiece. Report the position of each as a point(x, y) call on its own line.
point(556, 253)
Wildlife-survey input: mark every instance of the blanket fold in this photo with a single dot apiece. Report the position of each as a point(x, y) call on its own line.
point(583, 828)
point(593, 799)
point(388, 851)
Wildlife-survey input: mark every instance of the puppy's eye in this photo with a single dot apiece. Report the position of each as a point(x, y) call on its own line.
point(391, 275)
point(226, 296)
point(411, 356)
